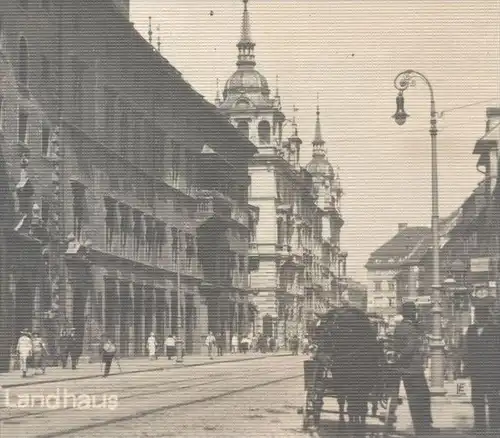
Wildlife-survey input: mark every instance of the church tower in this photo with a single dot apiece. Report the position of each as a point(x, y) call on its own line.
point(247, 98)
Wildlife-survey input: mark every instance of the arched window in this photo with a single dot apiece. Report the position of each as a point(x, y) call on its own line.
point(244, 128)
point(264, 132)
point(23, 62)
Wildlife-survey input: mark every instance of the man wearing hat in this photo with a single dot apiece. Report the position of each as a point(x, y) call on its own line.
point(482, 365)
point(408, 345)
point(39, 352)
point(24, 350)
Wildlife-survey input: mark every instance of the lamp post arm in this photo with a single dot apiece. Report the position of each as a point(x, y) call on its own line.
point(406, 79)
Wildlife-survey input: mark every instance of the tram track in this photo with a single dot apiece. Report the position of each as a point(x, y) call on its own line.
point(168, 407)
point(170, 386)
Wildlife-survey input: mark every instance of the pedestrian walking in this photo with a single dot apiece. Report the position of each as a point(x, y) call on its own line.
point(219, 339)
point(408, 345)
point(71, 347)
point(482, 365)
point(169, 346)
point(39, 352)
point(305, 345)
point(151, 346)
point(108, 353)
point(272, 344)
point(294, 345)
point(24, 351)
point(234, 344)
point(245, 342)
point(210, 342)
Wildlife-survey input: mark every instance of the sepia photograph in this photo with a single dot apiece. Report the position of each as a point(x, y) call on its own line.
point(249, 218)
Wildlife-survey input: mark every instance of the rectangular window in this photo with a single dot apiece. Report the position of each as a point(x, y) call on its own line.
point(45, 70)
point(176, 159)
point(175, 244)
point(138, 232)
point(390, 285)
point(378, 286)
point(22, 126)
point(150, 237)
point(123, 132)
point(24, 4)
point(190, 250)
point(78, 92)
point(78, 208)
point(45, 139)
point(111, 221)
point(161, 238)
point(136, 147)
point(109, 115)
point(124, 225)
point(241, 264)
point(46, 4)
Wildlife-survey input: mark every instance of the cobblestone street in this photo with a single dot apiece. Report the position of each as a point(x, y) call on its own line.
point(255, 398)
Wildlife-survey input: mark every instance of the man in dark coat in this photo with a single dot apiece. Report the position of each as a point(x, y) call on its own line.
point(408, 345)
point(482, 365)
point(74, 347)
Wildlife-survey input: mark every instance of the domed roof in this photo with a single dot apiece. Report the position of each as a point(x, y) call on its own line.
point(246, 81)
point(320, 166)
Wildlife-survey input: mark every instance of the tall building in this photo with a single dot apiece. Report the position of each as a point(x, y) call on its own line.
point(295, 243)
point(124, 193)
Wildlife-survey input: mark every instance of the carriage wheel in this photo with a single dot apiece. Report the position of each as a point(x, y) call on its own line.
point(307, 411)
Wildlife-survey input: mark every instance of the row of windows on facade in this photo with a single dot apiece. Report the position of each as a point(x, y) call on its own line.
point(147, 232)
point(155, 137)
point(28, 4)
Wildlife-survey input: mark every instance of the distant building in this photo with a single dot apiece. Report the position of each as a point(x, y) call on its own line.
point(356, 293)
point(386, 262)
point(295, 243)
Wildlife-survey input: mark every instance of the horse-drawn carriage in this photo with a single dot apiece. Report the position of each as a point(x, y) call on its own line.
point(351, 364)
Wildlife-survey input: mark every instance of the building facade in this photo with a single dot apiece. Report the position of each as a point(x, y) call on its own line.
point(295, 244)
point(126, 192)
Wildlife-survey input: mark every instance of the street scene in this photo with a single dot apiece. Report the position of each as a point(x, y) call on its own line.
point(244, 218)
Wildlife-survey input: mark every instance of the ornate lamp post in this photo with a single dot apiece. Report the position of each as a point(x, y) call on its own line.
point(402, 81)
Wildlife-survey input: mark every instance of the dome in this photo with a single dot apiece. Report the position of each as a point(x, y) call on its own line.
point(320, 166)
point(246, 81)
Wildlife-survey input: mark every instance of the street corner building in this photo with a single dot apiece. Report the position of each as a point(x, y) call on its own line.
point(124, 193)
point(296, 264)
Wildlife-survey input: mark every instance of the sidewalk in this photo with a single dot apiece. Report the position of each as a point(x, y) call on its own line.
point(128, 366)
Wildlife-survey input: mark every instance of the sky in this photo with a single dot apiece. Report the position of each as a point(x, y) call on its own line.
point(350, 52)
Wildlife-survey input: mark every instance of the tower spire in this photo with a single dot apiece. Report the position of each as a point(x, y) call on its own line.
point(150, 32)
point(318, 142)
point(245, 45)
point(159, 39)
point(295, 131)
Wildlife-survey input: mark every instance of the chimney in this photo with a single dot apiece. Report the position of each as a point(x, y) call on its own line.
point(402, 226)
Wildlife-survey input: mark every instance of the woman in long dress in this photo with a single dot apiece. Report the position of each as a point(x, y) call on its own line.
point(151, 345)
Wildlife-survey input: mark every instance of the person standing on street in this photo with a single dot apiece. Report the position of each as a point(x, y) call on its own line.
point(219, 339)
point(74, 348)
point(210, 342)
point(151, 345)
point(24, 351)
point(245, 342)
point(482, 365)
point(108, 354)
point(169, 346)
point(39, 352)
point(294, 345)
point(234, 344)
point(63, 348)
point(408, 345)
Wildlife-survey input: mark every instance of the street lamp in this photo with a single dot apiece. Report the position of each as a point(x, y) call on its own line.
point(402, 81)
